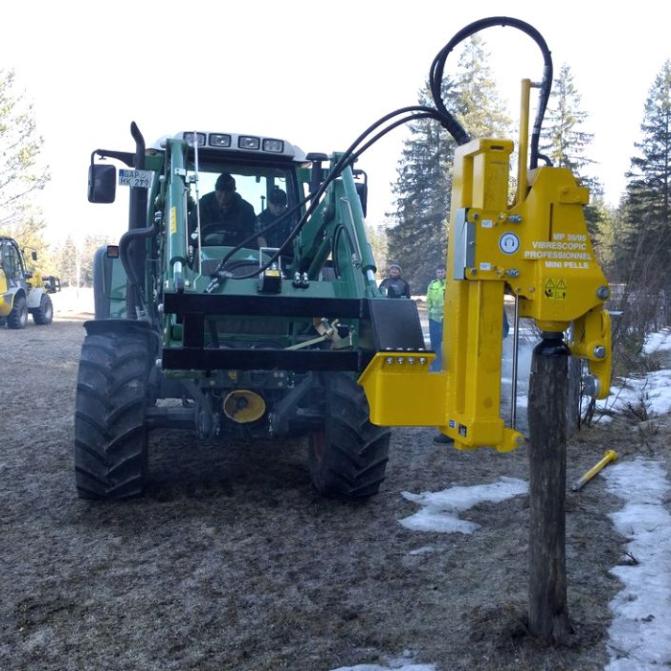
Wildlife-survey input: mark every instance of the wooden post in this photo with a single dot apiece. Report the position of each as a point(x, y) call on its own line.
point(548, 611)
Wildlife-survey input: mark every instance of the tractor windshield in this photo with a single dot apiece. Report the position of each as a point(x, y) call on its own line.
point(236, 201)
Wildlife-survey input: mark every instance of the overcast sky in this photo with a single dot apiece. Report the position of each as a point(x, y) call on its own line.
point(315, 73)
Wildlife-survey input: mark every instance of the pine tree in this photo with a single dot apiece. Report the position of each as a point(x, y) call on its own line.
point(563, 139)
point(418, 238)
point(649, 181)
point(478, 105)
point(417, 241)
point(646, 211)
point(88, 249)
point(643, 251)
point(565, 142)
point(21, 172)
point(68, 262)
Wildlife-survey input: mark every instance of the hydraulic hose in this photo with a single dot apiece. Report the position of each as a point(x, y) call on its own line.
point(414, 112)
point(350, 155)
point(438, 67)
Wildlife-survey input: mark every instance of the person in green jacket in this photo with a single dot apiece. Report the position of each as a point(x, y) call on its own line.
point(435, 305)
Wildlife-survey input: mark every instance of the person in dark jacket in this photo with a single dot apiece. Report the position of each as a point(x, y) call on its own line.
point(277, 207)
point(225, 217)
point(395, 286)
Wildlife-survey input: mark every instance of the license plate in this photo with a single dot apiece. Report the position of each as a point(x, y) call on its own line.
point(140, 179)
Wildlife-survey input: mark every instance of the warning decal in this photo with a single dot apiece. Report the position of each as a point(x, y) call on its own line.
point(555, 290)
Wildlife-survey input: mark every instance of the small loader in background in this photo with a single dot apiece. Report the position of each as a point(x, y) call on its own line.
point(23, 291)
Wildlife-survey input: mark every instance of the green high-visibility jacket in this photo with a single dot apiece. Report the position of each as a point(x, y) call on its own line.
point(435, 300)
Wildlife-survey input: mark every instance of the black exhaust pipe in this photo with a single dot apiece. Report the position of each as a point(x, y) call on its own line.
point(133, 255)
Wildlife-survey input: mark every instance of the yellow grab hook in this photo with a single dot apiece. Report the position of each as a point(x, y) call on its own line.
point(609, 455)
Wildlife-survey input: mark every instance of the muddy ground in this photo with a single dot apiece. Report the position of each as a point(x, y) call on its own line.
point(231, 561)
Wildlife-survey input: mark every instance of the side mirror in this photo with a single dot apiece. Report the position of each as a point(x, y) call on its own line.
point(361, 185)
point(102, 183)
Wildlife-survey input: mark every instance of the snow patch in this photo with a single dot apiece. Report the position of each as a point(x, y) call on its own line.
point(657, 342)
point(425, 549)
point(654, 390)
point(403, 663)
point(640, 634)
point(440, 511)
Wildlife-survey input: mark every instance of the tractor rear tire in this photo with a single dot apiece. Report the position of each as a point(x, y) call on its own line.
point(348, 457)
point(45, 313)
point(110, 429)
point(18, 317)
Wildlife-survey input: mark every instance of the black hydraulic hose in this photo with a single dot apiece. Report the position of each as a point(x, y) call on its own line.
point(348, 157)
point(133, 235)
point(426, 115)
point(414, 112)
point(334, 244)
point(438, 67)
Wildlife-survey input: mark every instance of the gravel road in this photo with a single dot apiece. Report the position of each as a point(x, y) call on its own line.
point(231, 561)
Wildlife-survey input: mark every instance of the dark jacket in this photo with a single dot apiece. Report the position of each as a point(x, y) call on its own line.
point(395, 287)
point(276, 236)
point(236, 223)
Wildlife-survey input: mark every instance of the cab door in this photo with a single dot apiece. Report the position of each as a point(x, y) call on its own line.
point(12, 265)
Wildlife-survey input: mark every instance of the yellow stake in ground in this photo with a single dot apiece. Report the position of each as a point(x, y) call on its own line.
point(609, 455)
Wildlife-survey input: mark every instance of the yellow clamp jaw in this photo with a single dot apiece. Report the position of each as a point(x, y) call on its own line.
point(538, 250)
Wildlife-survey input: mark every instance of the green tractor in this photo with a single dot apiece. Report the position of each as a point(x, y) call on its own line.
point(256, 329)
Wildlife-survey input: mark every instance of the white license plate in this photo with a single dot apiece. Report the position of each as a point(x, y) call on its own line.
point(135, 178)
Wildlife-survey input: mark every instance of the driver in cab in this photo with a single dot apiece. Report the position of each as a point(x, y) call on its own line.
point(225, 217)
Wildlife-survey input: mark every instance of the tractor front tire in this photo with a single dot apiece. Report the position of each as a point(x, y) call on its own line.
point(110, 428)
point(45, 313)
point(18, 317)
point(348, 457)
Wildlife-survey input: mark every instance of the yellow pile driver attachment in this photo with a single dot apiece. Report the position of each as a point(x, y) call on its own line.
point(538, 250)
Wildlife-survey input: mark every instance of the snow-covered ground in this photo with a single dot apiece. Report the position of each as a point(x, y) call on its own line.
point(658, 342)
point(640, 634)
point(404, 663)
point(652, 390)
point(440, 509)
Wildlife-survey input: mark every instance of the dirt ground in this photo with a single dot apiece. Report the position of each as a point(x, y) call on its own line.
point(231, 561)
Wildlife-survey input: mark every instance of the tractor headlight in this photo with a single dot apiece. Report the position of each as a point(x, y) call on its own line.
point(220, 140)
point(276, 146)
point(249, 142)
point(189, 138)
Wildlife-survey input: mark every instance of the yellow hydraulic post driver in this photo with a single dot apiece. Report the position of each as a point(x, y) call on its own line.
point(537, 248)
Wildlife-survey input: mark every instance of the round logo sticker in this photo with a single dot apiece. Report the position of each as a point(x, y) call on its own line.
point(509, 243)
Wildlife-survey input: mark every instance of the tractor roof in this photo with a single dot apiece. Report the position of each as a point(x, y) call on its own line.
point(267, 147)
